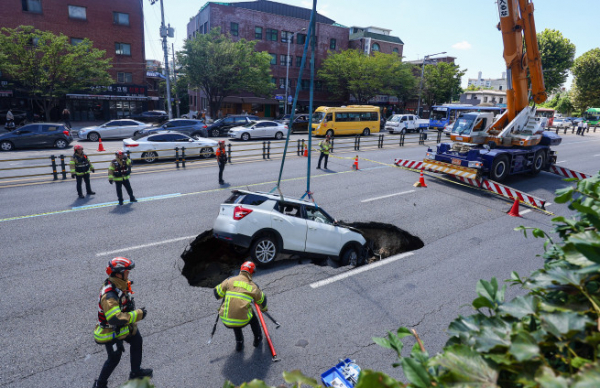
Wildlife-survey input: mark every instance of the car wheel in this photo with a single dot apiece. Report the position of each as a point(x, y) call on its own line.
point(93, 136)
point(206, 153)
point(149, 157)
point(279, 136)
point(350, 256)
point(264, 250)
point(329, 133)
point(215, 133)
point(136, 133)
point(245, 136)
point(6, 146)
point(366, 132)
point(500, 168)
point(61, 144)
point(539, 161)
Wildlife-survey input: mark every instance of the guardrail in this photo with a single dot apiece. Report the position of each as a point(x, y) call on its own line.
point(573, 129)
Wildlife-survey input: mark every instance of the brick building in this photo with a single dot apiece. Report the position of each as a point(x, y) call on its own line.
point(271, 24)
point(375, 39)
point(116, 26)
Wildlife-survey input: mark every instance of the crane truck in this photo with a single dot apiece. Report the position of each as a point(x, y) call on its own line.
point(515, 142)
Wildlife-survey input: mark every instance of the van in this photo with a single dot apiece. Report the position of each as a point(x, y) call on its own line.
point(346, 120)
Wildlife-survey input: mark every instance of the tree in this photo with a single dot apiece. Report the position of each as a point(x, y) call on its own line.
point(557, 54)
point(586, 71)
point(48, 66)
point(561, 102)
point(220, 67)
point(441, 83)
point(406, 86)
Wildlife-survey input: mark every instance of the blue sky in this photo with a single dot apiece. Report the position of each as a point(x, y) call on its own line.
point(465, 29)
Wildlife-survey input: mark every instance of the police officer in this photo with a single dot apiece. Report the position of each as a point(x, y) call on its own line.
point(221, 160)
point(236, 311)
point(117, 317)
point(119, 171)
point(80, 169)
point(324, 147)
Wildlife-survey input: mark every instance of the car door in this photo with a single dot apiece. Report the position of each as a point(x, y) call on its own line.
point(181, 141)
point(127, 129)
point(227, 124)
point(269, 129)
point(110, 130)
point(287, 219)
point(322, 236)
point(28, 136)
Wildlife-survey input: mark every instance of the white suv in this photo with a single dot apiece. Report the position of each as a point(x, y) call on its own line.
point(269, 224)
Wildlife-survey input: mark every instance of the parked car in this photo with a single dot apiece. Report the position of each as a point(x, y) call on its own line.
point(114, 129)
point(300, 122)
point(151, 116)
point(162, 144)
point(193, 114)
point(258, 130)
point(193, 128)
point(221, 126)
point(36, 135)
point(270, 224)
point(561, 123)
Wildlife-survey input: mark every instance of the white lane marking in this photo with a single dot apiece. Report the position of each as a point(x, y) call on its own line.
point(387, 196)
point(562, 161)
point(362, 269)
point(144, 246)
point(597, 155)
point(83, 207)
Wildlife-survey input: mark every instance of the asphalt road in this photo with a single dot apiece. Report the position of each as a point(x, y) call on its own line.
point(55, 248)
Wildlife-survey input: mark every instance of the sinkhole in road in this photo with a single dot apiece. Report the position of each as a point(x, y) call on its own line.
point(208, 261)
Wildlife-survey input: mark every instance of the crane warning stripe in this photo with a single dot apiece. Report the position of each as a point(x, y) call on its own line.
point(409, 164)
point(505, 191)
point(449, 170)
point(567, 173)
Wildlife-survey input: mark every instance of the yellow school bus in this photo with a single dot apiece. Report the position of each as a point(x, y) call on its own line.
point(346, 120)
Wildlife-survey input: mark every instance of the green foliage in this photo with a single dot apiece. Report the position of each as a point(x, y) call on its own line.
point(138, 383)
point(557, 54)
point(587, 80)
point(561, 102)
point(221, 67)
point(48, 66)
point(441, 82)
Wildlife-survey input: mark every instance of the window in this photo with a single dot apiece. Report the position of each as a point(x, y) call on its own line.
point(375, 46)
point(121, 18)
point(298, 61)
point(283, 62)
point(124, 78)
point(205, 27)
point(273, 80)
point(273, 59)
point(76, 41)
point(258, 33)
point(305, 84)
point(485, 99)
point(287, 35)
point(500, 87)
point(501, 100)
point(122, 49)
point(332, 43)
point(271, 35)
point(76, 12)
point(395, 50)
point(234, 29)
point(32, 6)
point(300, 38)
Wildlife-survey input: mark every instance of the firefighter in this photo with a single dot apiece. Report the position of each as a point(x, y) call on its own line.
point(236, 311)
point(221, 160)
point(80, 169)
point(324, 147)
point(119, 171)
point(117, 317)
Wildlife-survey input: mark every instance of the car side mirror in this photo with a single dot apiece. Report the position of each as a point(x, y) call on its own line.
point(190, 140)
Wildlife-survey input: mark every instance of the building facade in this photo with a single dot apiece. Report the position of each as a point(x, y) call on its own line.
point(116, 26)
point(489, 97)
point(375, 39)
point(493, 83)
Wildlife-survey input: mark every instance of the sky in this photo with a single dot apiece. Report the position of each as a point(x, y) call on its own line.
point(464, 29)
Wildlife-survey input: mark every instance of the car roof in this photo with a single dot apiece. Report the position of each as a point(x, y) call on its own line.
point(275, 197)
point(164, 132)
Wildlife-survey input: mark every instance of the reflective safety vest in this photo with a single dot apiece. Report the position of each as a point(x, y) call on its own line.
point(80, 165)
point(239, 293)
point(119, 171)
point(117, 311)
point(325, 146)
point(221, 155)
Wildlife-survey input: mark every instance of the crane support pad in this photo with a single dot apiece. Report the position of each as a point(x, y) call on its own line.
point(567, 173)
point(505, 191)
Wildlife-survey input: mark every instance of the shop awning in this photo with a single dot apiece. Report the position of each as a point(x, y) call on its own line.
point(105, 97)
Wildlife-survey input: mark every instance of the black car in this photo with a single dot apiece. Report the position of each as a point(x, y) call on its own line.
point(222, 126)
point(151, 116)
point(192, 128)
point(36, 135)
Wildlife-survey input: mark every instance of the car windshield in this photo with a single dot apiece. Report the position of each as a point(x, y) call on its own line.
point(463, 125)
point(251, 123)
point(394, 119)
point(318, 117)
point(218, 121)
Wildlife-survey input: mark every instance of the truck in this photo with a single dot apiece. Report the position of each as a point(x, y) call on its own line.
point(514, 142)
point(406, 123)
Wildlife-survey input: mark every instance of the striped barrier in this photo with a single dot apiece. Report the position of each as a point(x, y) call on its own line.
point(434, 166)
point(567, 173)
point(504, 191)
point(408, 164)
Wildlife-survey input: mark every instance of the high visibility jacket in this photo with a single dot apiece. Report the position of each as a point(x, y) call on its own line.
point(119, 171)
point(221, 155)
point(80, 165)
point(239, 293)
point(324, 146)
point(115, 322)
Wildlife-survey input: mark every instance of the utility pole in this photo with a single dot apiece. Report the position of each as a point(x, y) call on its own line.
point(164, 32)
point(175, 80)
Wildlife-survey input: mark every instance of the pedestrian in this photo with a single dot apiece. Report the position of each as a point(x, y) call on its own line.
point(220, 114)
point(119, 171)
point(10, 120)
point(585, 128)
point(117, 322)
point(80, 169)
point(221, 160)
point(324, 147)
point(203, 117)
point(580, 128)
point(66, 117)
point(236, 311)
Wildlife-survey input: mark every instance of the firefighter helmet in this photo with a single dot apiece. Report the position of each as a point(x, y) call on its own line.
point(248, 267)
point(119, 152)
point(119, 265)
point(78, 147)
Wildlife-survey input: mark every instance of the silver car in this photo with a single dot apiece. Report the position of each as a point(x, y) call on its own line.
point(259, 129)
point(115, 129)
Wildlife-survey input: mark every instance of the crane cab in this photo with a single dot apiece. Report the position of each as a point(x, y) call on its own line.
point(472, 127)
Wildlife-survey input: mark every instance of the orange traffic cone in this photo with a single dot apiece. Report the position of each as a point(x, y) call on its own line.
point(305, 151)
point(100, 146)
point(355, 165)
point(421, 182)
point(514, 210)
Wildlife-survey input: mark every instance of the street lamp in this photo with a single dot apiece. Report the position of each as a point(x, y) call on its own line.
point(287, 71)
point(425, 58)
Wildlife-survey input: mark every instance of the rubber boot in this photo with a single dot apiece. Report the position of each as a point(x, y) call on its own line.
point(239, 346)
point(132, 199)
point(141, 373)
point(257, 341)
point(98, 384)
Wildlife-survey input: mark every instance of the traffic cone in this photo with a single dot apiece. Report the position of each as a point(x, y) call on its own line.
point(305, 151)
point(100, 146)
point(421, 182)
point(514, 210)
point(355, 165)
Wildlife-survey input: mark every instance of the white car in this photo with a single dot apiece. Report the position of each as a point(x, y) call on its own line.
point(561, 123)
point(162, 144)
point(114, 129)
point(258, 130)
point(269, 224)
